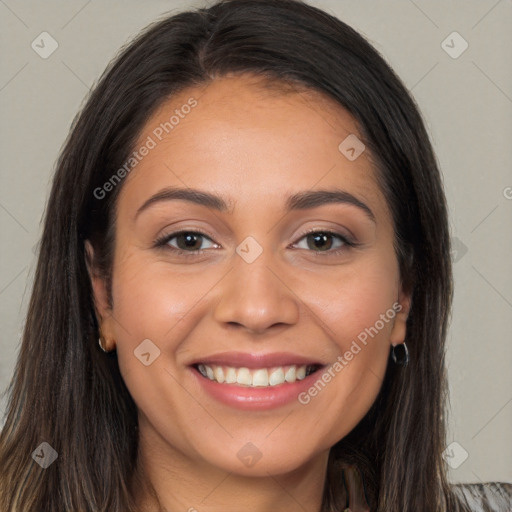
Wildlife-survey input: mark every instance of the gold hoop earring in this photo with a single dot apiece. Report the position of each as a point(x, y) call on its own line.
point(101, 346)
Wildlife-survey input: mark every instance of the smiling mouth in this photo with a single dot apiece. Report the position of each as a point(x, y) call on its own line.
point(257, 377)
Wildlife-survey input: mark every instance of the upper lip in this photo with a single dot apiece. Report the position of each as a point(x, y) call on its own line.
point(248, 360)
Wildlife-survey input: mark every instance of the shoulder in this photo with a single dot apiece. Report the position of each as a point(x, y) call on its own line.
point(485, 497)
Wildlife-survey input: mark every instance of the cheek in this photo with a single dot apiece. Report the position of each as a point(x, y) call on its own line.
point(356, 308)
point(160, 302)
point(153, 303)
point(147, 306)
point(150, 297)
point(351, 299)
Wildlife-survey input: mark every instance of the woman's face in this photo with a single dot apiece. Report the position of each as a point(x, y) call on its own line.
point(244, 294)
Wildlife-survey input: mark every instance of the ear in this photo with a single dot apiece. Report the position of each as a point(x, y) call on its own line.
point(100, 298)
point(402, 307)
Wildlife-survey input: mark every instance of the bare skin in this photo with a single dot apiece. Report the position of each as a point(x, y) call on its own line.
point(254, 148)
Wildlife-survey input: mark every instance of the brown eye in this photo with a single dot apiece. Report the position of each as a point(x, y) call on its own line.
point(185, 241)
point(320, 241)
point(325, 241)
point(189, 240)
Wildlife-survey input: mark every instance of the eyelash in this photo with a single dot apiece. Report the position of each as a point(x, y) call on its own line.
point(162, 242)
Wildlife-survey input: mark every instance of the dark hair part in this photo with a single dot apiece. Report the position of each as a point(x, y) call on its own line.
point(65, 391)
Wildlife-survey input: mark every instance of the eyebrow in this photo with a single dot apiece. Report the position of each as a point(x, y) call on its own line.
point(298, 201)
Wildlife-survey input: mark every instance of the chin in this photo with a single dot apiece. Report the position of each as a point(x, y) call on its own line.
point(248, 459)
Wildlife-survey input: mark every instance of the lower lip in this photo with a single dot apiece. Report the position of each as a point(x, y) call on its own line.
point(255, 398)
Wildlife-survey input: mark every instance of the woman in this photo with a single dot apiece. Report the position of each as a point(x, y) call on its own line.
point(189, 344)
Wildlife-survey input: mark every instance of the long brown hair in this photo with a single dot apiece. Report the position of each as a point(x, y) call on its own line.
point(69, 394)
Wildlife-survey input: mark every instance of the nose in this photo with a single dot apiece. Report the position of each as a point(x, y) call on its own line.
point(256, 297)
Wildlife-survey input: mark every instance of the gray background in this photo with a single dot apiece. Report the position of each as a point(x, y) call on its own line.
point(466, 103)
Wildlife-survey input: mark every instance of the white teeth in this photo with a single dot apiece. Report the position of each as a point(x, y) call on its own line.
point(301, 372)
point(230, 376)
point(276, 377)
point(209, 372)
point(261, 377)
point(244, 377)
point(219, 374)
point(291, 374)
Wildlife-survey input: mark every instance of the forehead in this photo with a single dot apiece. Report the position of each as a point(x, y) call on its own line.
point(242, 136)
